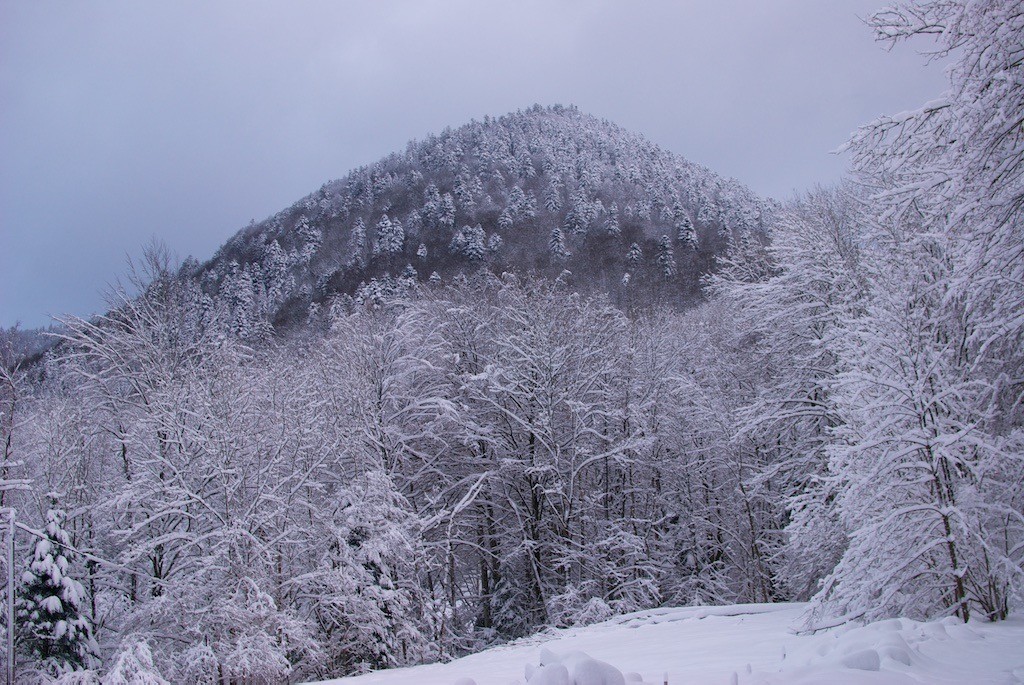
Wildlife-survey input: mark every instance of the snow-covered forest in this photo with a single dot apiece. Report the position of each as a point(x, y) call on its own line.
point(625, 384)
point(548, 191)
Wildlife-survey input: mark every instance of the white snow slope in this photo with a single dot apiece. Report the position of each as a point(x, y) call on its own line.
point(752, 644)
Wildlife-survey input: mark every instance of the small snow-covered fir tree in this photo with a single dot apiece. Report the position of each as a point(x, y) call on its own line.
point(553, 197)
point(666, 258)
point(685, 231)
point(505, 219)
point(409, 277)
point(310, 237)
point(611, 222)
point(446, 211)
point(53, 629)
point(494, 243)
point(580, 214)
point(357, 244)
point(134, 666)
point(559, 252)
point(635, 254)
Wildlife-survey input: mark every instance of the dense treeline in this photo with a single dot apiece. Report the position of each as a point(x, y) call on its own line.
point(435, 473)
point(433, 467)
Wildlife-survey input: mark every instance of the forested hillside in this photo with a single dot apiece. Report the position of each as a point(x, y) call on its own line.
point(549, 191)
point(429, 465)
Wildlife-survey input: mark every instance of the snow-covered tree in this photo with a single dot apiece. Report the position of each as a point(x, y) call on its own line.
point(611, 223)
point(666, 258)
point(133, 665)
point(912, 450)
point(796, 298)
point(580, 214)
point(50, 608)
point(369, 603)
point(358, 245)
point(635, 255)
point(470, 242)
point(446, 211)
point(932, 432)
point(685, 232)
point(553, 196)
point(556, 245)
point(309, 237)
point(390, 236)
point(494, 243)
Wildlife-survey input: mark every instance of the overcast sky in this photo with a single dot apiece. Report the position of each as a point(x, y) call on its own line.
point(124, 121)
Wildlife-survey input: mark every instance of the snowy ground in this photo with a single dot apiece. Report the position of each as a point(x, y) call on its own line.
point(753, 643)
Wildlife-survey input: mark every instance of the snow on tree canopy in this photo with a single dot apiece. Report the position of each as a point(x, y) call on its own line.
point(519, 175)
point(52, 626)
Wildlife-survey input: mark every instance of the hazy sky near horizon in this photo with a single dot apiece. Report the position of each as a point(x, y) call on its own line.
point(182, 120)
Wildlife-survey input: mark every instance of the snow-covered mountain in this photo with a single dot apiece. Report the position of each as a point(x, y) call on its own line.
point(546, 190)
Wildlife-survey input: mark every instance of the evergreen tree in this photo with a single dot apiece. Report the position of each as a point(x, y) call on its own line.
point(517, 202)
point(635, 255)
point(708, 212)
point(553, 196)
point(446, 211)
point(310, 237)
point(494, 243)
point(241, 295)
point(505, 218)
point(666, 259)
point(275, 270)
point(557, 245)
point(611, 223)
point(431, 206)
point(53, 629)
point(390, 236)
point(685, 232)
point(470, 242)
point(357, 245)
point(467, 188)
point(580, 214)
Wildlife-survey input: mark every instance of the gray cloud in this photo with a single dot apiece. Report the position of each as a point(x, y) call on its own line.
point(123, 121)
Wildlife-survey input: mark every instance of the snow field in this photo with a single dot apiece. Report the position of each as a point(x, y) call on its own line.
point(752, 644)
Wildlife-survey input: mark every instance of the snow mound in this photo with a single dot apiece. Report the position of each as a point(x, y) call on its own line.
point(572, 668)
point(864, 660)
point(894, 649)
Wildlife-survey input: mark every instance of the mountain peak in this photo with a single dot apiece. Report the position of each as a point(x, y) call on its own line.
point(544, 190)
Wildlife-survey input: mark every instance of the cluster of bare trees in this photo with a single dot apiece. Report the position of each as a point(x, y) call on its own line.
point(436, 472)
point(890, 316)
